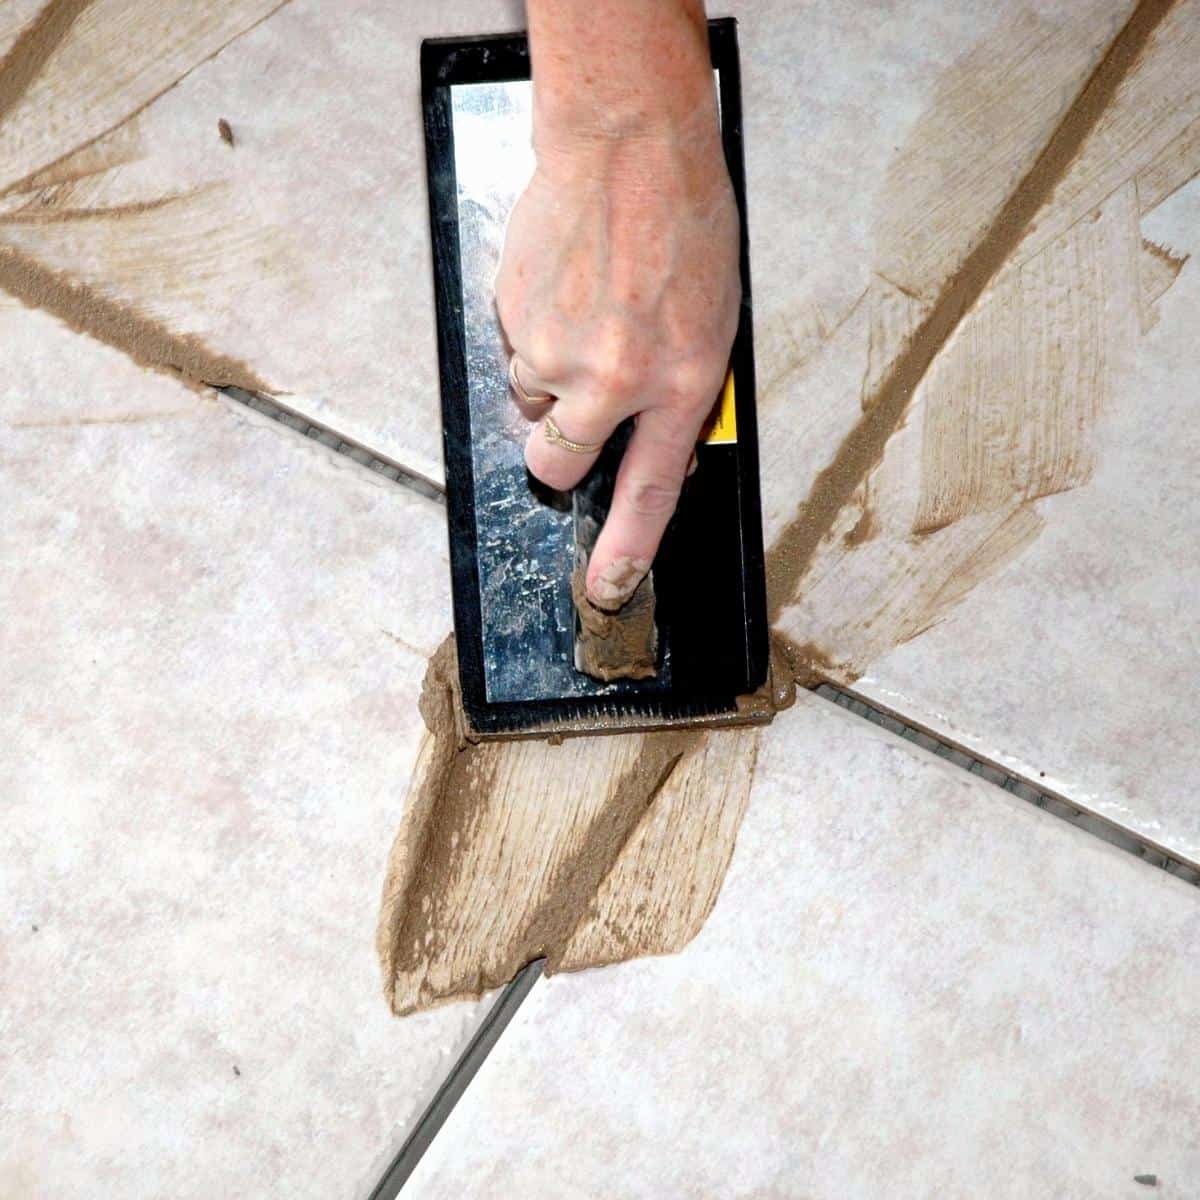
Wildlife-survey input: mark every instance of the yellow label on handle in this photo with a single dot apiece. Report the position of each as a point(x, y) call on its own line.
point(721, 427)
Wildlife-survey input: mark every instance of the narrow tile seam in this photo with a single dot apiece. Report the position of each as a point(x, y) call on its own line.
point(955, 753)
point(379, 464)
point(457, 1080)
point(1024, 788)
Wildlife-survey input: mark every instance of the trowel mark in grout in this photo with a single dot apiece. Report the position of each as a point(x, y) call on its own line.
point(993, 113)
point(896, 315)
point(1007, 371)
point(863, 449)
point(71, 82)
point(1176, 165)
point(589, 852)
point(178, 257)
point(52, 212)
point(122, 146)
point(1146, 126)
point(73, 241)
point(890, 590)
point(1009, 405)
point(1158, 268)
point(33, 47)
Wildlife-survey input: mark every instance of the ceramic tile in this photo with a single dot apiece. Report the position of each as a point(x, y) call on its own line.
point(303, 249)
point(1015, 567)
point(212, 641)
point(1074, 667)
point(912, 984)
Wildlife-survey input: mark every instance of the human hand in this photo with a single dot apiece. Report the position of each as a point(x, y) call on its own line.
point(619, 292)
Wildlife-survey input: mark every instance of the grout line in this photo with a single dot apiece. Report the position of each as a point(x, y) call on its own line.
point(330, 438)
point(1025, 789)
point(1101, 827)
point(457, 1081)
point(1019, 786)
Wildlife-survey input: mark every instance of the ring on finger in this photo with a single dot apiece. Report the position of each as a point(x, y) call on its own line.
point(519, 389)
point(554, 435)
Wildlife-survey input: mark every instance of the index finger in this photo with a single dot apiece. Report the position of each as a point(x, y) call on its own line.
point(645, 494)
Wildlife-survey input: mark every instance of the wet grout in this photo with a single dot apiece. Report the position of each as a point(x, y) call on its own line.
point(1017, 785)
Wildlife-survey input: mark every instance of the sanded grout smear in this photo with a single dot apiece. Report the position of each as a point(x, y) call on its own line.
point(146, 341)
point(77, 75)
point(120, 66)
point(584, 853)
point(981, 396)
point(863, 449)
point(33, 47)
point(1009, 407)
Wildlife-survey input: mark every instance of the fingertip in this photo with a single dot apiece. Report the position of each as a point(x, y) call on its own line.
point(611, 583)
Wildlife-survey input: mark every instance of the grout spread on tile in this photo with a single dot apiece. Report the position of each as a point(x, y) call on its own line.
point(145, 340)
point(588, 852)
point(34, 45)
point(1005, 354)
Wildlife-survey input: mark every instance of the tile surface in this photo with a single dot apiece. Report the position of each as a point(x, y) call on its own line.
point(1074, 667)
point(303, 248)
point(212, 640)
point(912, 984)
point(1017, 570)
point(215, 637)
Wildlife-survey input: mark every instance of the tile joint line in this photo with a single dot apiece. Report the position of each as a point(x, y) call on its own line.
point(1020, 786)
point(457, 1081)
point(1017, 785)
point(380, 464)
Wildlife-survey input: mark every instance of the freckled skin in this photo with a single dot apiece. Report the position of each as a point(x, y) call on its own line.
point(618, 287)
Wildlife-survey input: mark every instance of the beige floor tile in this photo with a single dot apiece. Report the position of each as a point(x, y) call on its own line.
point(212, 641)
point(1076, 666)
point(912, 985)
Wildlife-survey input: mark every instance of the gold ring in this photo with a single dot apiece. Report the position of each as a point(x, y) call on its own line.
point(519, 388)
point(555, 436)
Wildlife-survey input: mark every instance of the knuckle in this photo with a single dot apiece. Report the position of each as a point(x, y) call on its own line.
point(653, 497)
point(694, 384)
point(616, 378)
point(619, 362)
point(543, 353)
point(677, 421)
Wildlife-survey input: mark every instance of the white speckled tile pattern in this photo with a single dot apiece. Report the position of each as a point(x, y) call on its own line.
point(212, 640)
point(912, 985)
point(338, 223)
point(1076, 666)
point(1071, 665)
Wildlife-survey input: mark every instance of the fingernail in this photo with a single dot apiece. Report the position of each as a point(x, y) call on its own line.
point(617, 582)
